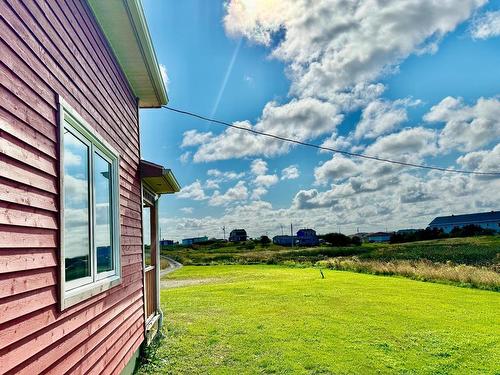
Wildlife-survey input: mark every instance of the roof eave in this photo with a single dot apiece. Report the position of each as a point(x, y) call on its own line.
point(124, 25)
point(138, 18)
point(159, 179)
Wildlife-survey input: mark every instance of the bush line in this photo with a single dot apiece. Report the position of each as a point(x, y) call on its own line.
point(422, 270)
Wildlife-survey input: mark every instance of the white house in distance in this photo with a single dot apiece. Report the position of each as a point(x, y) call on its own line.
point(486, 220)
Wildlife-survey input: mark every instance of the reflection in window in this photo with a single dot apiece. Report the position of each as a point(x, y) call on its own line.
point(146, 226)
point(103, 213)
point(76, 208)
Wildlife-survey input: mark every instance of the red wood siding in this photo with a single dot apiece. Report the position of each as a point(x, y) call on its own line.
point(50, 48)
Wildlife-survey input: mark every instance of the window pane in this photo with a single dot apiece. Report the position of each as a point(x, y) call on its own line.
point(76, 208)
point(103, 214)
point(146, 227)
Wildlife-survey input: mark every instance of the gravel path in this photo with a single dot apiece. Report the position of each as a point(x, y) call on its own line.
point(172, 266)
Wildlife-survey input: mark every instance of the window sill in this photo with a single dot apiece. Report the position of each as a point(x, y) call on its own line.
point(85, 292)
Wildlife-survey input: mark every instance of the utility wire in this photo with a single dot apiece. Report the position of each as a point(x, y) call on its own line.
point(352, 154)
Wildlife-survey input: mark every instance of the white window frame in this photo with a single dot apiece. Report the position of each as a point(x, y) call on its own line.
point(75, 291)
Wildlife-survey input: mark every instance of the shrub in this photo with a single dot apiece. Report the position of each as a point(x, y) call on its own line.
point(356, 241)
point(265, 240)
point(470, 231)
point(337, 239)
point(424, 270)
point(419, 235)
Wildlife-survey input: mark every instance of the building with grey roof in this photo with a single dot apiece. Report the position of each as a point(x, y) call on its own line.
point(486, 220)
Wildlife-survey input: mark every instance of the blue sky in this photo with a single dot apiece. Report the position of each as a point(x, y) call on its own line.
point(408, 100)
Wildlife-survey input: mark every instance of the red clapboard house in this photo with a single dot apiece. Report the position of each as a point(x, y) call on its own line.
point(78, 290)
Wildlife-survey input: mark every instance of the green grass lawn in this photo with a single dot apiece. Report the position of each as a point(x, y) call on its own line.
point(277, 320)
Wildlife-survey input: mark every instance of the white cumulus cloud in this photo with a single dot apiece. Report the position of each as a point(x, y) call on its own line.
point(338, 167)
point(266, 180)
point(238, 192)
point(290, 173)
point(193, 191)
point(381, 116)
point(467, 127)
point(299, 119)
point(258, 167)
point(194, 138)
point(486, 26)
point(164, 76)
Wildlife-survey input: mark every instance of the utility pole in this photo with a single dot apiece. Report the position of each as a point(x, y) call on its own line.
point(291, 233)
point(224, 231)
point(281, 225)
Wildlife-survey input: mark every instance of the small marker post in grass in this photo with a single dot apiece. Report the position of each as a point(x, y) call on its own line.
point(321, 272)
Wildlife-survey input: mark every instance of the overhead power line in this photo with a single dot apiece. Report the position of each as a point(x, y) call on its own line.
point(319, 147)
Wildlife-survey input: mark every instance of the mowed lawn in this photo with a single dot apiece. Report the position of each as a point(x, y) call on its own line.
point(276, 320)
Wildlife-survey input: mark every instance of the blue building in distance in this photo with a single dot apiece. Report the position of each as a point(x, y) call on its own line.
point(285, 240)
point(307, 237)
point(485, 220)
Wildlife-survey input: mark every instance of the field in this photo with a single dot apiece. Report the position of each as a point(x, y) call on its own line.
point(264, 319)
point(468, 262)
point(482, 251)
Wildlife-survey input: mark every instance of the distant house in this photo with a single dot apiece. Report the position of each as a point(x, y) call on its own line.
point(166, 242)
point(285, 240)
point(379, 237)
point(194, 240)
point(307, 237)
point(486, 220)
point(238, 235)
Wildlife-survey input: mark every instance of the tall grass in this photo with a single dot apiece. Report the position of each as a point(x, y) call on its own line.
point(424, 270)
point(163, 263)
